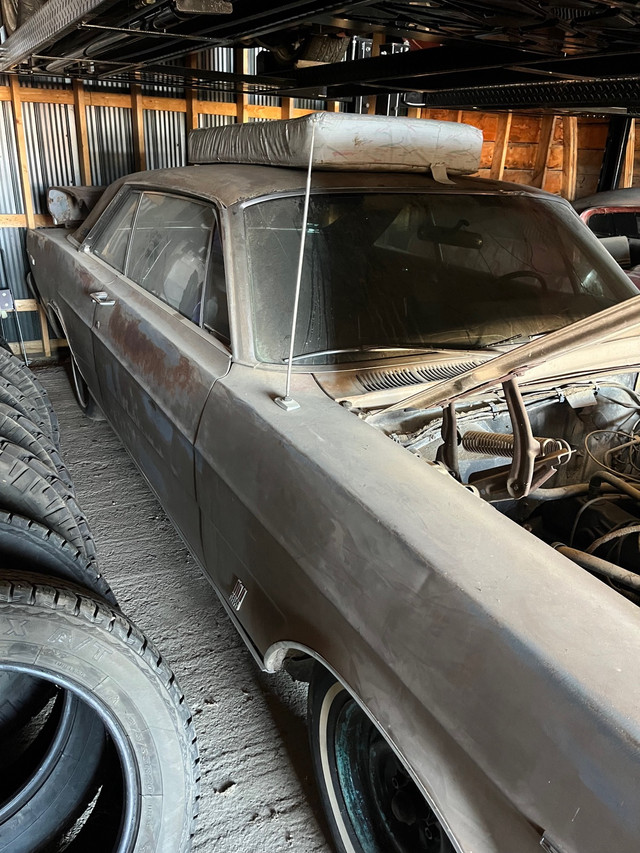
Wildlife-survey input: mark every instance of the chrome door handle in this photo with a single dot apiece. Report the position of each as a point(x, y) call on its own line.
point(102, 297)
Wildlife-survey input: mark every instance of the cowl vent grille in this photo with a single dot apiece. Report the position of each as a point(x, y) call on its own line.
point(381, 380)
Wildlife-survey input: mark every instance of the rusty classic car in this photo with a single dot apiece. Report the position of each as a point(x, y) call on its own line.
point(395, 414)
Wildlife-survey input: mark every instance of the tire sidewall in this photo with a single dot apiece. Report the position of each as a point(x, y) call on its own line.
point(137, 708)
point(327, 697)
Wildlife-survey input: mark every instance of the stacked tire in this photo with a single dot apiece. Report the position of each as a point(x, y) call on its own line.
point(98, 745)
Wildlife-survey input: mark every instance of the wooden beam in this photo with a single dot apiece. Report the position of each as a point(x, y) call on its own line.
point(414, 112)
point(46, 96)
point(262, 111)
point(108, 99)
point(80, 111)
point(627, 173)
point(36, 346)
point(569, 157)
point(172, 105)
point(192, 102)
point(137, 124)
point(500, 146)
point(240, 65)
point(547, 126)
point(287, 107)
point(19, 220)
point(217, 108)
point(21, 143)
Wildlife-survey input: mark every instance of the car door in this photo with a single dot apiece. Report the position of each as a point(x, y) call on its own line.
point(156, 362)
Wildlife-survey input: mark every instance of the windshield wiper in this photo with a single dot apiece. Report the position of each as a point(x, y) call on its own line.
point(342, 350)
point(520, 337)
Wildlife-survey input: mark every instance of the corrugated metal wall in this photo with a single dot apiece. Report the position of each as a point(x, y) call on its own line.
point(13, 254)
point(110, 143)
point(52, 149)
point(10, 193)
point(216, 59)
point(53, 157)
point(165, 139)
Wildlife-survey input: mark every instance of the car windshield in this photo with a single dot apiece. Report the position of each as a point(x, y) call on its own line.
point(386, 271)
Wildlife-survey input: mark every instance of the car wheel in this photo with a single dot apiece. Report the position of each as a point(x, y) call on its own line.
point(372, 804)
point(82, 394)
point(91, 650)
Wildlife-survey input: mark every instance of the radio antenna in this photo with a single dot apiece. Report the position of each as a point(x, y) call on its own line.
point(287, 402)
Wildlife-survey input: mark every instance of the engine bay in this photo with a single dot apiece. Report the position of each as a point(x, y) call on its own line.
point(563, 462)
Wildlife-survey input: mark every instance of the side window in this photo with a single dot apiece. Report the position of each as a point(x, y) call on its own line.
point(215, 316)
point(169, 249)
point(111, 244)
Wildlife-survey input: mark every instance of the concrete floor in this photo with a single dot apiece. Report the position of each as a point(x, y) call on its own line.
point(258, 794)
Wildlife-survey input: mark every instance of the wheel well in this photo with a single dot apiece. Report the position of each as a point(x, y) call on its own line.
point(56, 321)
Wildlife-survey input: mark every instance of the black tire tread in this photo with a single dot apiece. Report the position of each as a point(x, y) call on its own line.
point(17, 428)
point(26, 591)
point(13, 451)
point(13, 397)
point(25, 543)
point(19, 375)
point(25, 492)
point(79, 569)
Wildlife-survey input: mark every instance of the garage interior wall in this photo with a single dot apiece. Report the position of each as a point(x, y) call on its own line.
point(57, 132)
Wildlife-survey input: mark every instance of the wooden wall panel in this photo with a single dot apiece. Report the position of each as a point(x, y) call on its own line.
point(560, 154)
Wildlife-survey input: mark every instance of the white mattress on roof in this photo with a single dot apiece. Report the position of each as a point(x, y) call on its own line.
point(344, 141)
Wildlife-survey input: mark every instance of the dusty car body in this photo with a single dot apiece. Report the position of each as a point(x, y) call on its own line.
point(361, 528)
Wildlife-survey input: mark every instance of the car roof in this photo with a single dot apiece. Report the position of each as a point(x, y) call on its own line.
point(629, 197)
point(230, 183)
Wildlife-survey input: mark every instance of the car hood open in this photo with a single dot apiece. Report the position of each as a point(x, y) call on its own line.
point(441, 378)
point(554, 354)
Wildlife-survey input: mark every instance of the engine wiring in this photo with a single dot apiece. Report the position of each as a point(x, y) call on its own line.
point(632, 443)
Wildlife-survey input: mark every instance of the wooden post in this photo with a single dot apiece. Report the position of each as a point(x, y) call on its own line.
point(569, 157)
point(44, 330)
point(80, 111)
point(545, 139)
point(190, 95)
point(287, 107)
point(629, 157)
point(137, 123)
point(414, 112)
point(21, 144)
point(500, 146)
point(378, 39)
point(241, 67)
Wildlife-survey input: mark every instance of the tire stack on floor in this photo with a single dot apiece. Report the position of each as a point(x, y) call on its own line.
point(97, 743)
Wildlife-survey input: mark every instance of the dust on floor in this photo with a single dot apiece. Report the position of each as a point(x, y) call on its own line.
point(257, 794)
